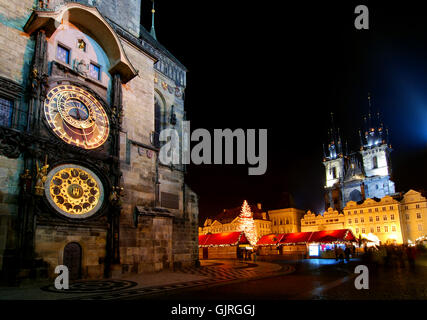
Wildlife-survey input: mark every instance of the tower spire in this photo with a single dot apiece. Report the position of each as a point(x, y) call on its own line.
point(153, 30)
point(370, 111)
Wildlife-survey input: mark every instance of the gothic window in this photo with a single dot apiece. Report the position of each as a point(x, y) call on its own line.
point(13, 113)
point(63, 54)
point(6, 111)
point(374, 162)
point(158, 120)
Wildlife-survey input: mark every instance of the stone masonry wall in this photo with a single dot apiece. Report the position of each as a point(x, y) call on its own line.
point(51, 240)
point(10, 170)
point(16, 47)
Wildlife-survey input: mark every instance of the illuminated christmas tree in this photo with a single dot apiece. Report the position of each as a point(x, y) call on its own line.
point(247, 224)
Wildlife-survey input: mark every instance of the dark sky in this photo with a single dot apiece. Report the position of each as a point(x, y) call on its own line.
point(285, 68)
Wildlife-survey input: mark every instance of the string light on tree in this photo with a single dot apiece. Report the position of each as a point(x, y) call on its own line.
point(247, 224)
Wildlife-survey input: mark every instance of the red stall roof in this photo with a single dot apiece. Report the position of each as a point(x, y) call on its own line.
point(296, 237)
point(270, 239)
point(326, 236)
point(222, 239)
point(332, 236)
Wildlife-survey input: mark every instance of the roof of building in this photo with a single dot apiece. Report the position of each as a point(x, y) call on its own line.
point(222, 239)
point(228, 215)
point(326, 236)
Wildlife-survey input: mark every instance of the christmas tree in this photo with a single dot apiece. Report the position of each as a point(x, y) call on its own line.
point(247, 223)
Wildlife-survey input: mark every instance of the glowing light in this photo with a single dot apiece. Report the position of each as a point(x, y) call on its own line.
point(247, 224)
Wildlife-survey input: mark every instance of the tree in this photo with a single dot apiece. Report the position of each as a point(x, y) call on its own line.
point(247, 224)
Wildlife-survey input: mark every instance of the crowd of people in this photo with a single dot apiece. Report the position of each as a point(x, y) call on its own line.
point(390, 256)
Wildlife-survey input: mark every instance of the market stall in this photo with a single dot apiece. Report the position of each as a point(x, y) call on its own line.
point(225, 245)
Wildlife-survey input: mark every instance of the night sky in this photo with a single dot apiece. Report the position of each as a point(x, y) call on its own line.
point(258, 65)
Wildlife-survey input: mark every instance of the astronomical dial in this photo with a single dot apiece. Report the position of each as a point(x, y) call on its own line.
point(74, 191)
point(76, 117)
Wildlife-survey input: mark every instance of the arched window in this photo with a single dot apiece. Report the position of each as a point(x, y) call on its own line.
point(157, 120)
point(374, 162)
point(334, 173)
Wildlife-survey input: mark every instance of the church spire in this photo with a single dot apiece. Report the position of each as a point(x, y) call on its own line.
point(153, 30)
point(334, 144)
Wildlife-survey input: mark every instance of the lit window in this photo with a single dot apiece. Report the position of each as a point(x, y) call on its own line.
point(378, 229)
point(392, 216)
point(6, 109)
point(418, 215)
point(95, 71)
point(385, 218)
point(349, 221)
point(362, 220)
point(370, 210)
point(356, 220)
point(384, 208)
point(363, 230)
point(357, 230)
point(63, 54)
point(385, 228)
point(371, 219)
point(377, 218)
point(376, 209)
point(393, 228)
point(372, 229)
point(375, 164)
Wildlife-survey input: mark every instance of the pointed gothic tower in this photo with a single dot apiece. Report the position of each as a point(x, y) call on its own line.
point(333, 160)
point(375, 150)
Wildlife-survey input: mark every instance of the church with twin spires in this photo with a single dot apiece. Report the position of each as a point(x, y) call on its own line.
point(356, 176)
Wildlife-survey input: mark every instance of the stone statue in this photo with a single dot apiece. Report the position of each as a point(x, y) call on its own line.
point(41, 178)
point(115, 196)
point(81, 67)
point(26, 181)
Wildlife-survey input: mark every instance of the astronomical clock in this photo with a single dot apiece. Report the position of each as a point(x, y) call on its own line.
point(76, 117)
